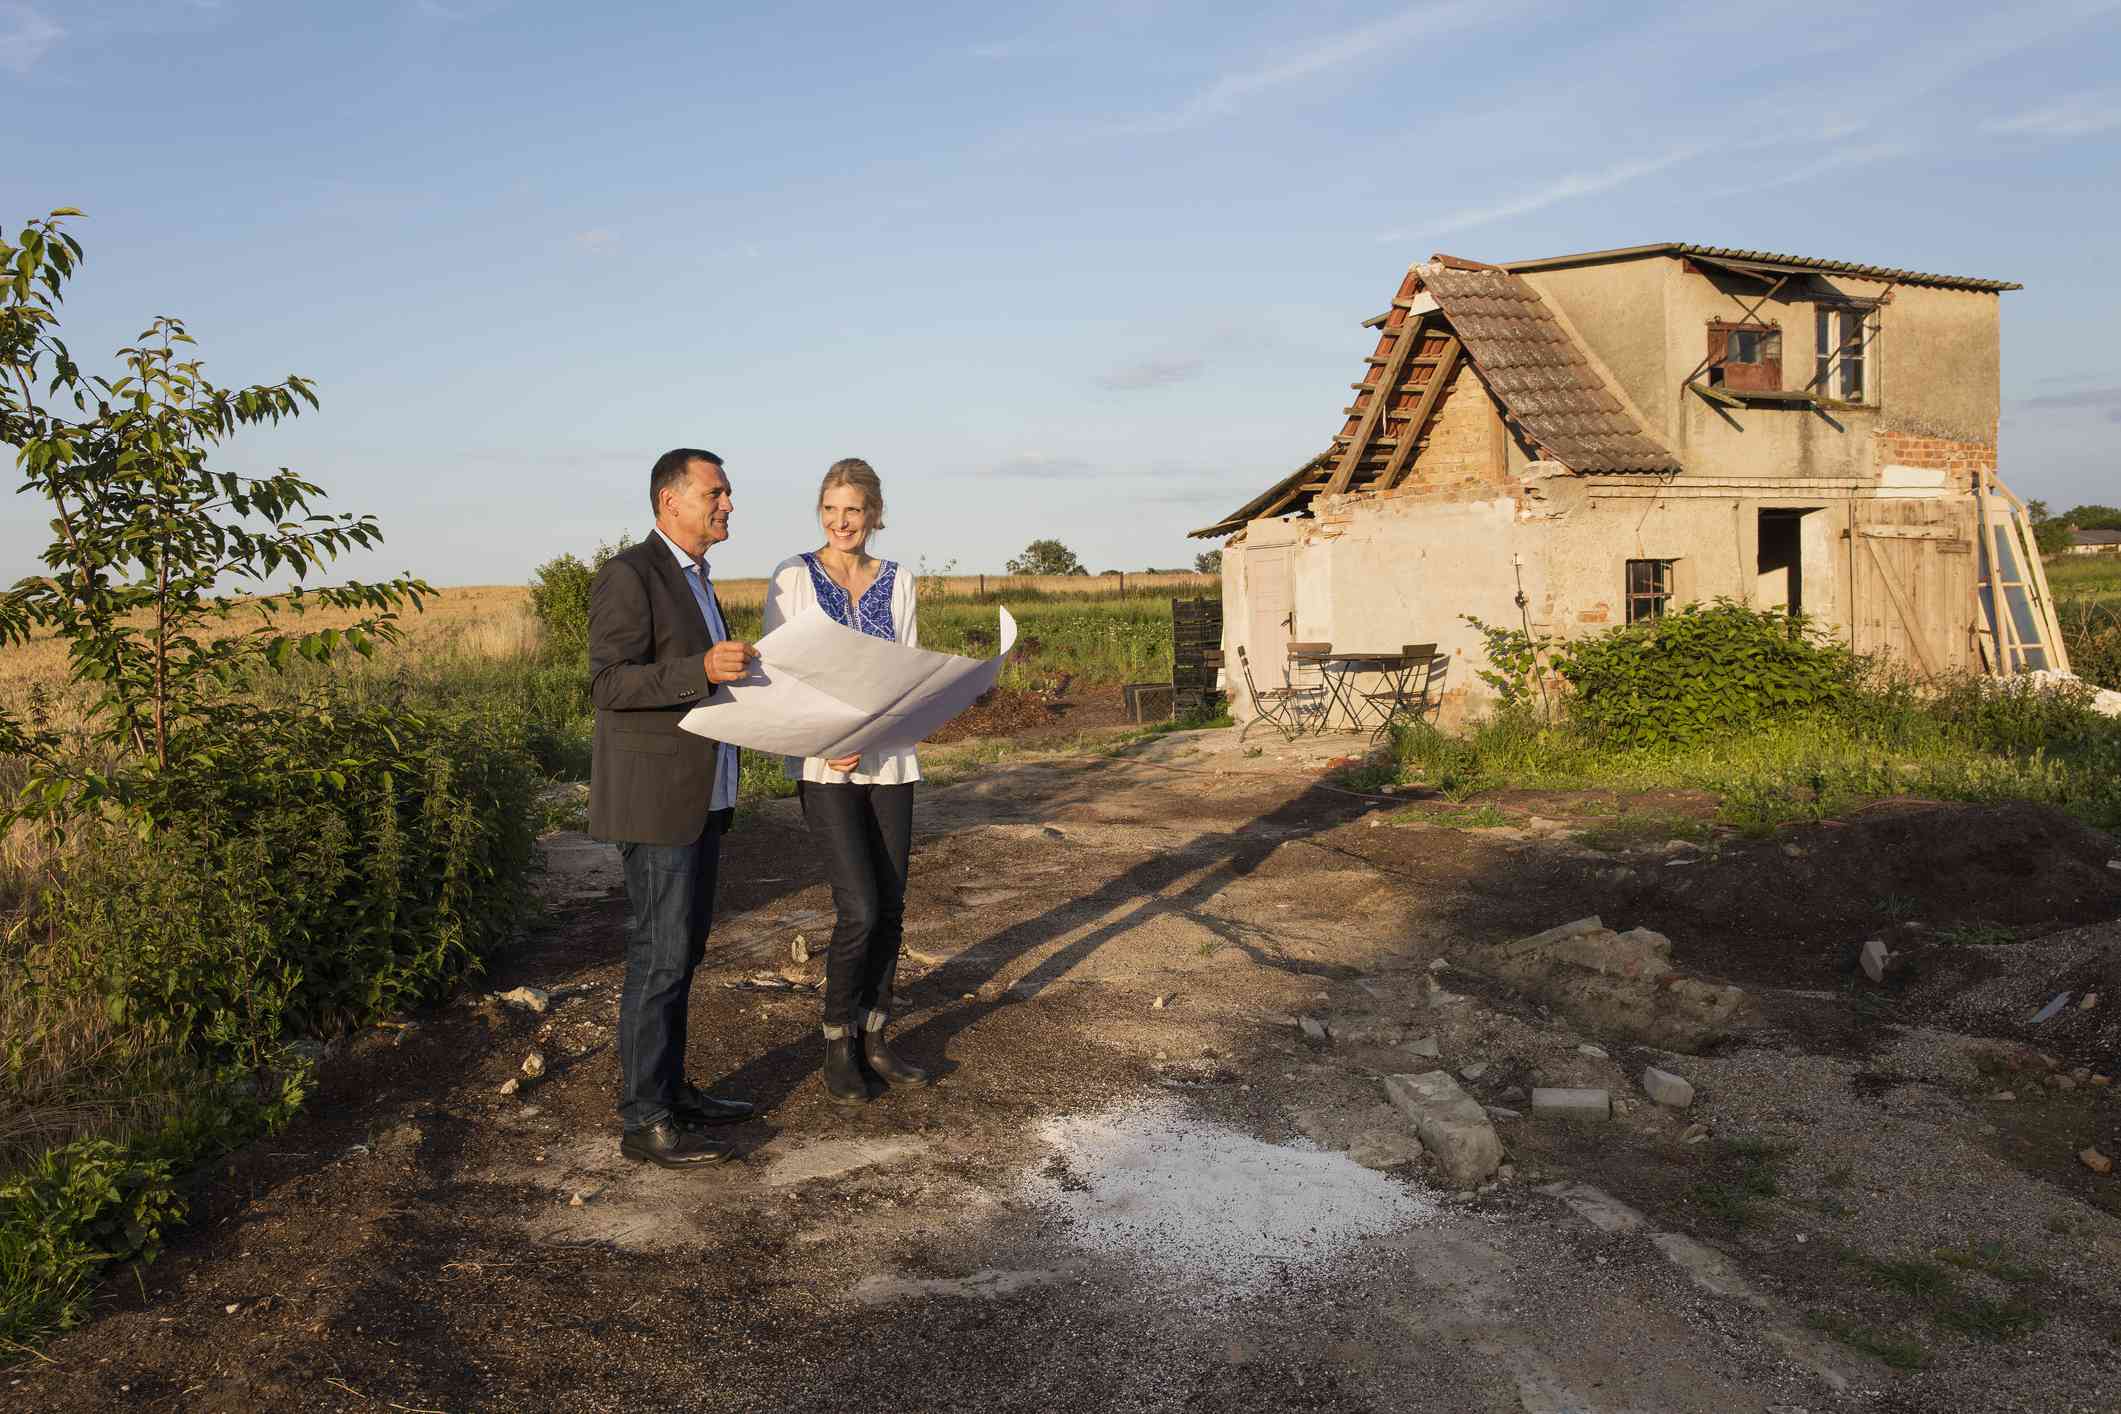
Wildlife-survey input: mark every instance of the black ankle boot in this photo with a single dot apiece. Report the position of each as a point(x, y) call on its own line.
point(888, 1067)
point(843, 1073)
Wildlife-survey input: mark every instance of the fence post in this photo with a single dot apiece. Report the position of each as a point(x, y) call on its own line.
point(983, 586)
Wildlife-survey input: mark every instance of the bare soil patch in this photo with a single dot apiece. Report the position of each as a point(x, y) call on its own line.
point(1025, 716)
point(415, 1238)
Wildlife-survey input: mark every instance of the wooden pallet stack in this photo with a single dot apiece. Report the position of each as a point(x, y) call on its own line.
point(1196, 632)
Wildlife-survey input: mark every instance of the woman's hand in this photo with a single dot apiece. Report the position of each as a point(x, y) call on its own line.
point(844, 763)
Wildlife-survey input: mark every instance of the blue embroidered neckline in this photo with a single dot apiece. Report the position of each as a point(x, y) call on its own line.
point(872, 615)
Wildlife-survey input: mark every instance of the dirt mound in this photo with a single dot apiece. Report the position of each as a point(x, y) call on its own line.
point(1795, 905)
point(1015, 713)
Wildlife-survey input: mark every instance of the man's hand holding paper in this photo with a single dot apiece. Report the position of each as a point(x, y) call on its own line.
point(821, 689)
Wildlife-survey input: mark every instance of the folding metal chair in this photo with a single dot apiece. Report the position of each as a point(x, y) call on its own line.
point(1276, 706)
point(1306, 677)
point(1406, 695)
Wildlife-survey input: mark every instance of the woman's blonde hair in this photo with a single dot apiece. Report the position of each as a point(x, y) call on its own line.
point(853, 471)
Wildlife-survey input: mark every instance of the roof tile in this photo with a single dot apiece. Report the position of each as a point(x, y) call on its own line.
point(1541, 377)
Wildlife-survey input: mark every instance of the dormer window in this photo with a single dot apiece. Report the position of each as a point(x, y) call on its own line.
point(1746, 358)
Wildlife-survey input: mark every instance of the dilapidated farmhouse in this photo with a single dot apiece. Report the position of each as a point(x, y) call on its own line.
point(1618, 433)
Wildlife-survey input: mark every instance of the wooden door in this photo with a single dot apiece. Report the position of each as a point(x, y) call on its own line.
point(1913, 581)
point(1271, 619)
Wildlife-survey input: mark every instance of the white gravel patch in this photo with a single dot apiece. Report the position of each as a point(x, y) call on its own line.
point(1211, 1212)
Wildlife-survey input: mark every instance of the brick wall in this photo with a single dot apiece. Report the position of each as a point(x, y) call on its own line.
point(1960, 460)
point(1460, 453)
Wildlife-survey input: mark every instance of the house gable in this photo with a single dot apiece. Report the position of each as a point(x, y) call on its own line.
point(1454, 327)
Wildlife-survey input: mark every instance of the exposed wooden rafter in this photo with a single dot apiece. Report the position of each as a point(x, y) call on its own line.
point(1410, 435)
point(1406, 338)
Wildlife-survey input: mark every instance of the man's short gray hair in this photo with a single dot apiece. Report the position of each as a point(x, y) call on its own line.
point(671, 468)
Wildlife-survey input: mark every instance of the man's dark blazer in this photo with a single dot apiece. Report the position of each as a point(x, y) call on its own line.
point(649, 781)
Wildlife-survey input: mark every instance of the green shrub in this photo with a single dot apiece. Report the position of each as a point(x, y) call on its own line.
point(2091, 632)
point(1707, 670)
point(303, 901)
point(63, 1219)
point(559, 598)
point(73, 1211)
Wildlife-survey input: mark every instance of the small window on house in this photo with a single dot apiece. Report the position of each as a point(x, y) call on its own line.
point(1649, 589)
point(1745, 357)
point(1843, 342)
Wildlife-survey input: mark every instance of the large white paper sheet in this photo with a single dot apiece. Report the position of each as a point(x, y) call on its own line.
point(821, 689)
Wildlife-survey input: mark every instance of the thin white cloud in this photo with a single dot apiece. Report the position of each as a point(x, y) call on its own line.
point(1370, 43)
point(1150, 373)
point(27, 34)
point(1805, 169)
point(1566, 188)
point(1373, 41)
point(2080, 115)
point(2104, 401)
point(1037, 465)
point(596, 238)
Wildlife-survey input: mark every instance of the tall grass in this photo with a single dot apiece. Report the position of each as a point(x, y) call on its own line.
point(1971, 740)
point(2087, 591)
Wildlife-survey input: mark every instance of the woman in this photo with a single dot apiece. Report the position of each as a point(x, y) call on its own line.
point(858, 809)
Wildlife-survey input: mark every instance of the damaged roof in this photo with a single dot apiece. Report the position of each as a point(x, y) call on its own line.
point(1769, 262)
point(1539, 375)
point(1484, 316)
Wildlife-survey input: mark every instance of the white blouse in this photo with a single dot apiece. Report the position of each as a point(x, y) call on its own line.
point(790, 594)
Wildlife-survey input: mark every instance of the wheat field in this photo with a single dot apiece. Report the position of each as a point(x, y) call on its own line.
point(480, 621)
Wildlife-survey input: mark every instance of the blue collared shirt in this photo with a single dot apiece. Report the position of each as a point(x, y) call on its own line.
point(730, 765)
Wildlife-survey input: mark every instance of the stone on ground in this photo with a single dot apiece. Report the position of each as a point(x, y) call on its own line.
point(1451, 1124)
point(2096, 1161)
point(1314, 1028)
point(1385, 1149)
point(1428, 1047)
point(530, 998)
point(1618, 983)
point(1874, 957)
point(1557, 1102)
point(1667, 1089)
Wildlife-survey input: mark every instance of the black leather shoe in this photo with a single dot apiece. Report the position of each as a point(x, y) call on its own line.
point(665, 1144)
point(887, 1066)
point(843, 1074)
point(694, 1108)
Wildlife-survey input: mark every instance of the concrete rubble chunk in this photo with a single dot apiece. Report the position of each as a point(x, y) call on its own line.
point(529, 998)
point(1874, 957)
point(1451, 1123)
point(1385, 1149)
point(1560, 1102)
point(1667, 1089)
point(1620, 984)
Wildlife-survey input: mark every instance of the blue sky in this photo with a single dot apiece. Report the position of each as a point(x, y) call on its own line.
point(1094, 271)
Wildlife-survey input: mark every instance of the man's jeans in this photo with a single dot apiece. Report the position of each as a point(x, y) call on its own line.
point(669, 910)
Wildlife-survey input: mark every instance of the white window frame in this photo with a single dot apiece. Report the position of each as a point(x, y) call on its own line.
point(1831, 358)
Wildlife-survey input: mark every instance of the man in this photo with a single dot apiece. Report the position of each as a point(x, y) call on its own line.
point(658, 646)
